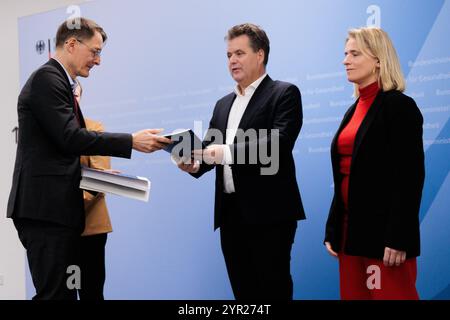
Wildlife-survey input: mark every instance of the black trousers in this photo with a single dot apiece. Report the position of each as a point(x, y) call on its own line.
point(51, 249)
point(257, 256)
point(92, 265)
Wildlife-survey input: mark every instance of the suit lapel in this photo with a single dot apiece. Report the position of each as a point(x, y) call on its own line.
point(334, 155)
point(224, 113)
point(56, 64)
point(82, 122)
point(363, 128)
point(256, 102)
point(365, 125)
point(348, 115)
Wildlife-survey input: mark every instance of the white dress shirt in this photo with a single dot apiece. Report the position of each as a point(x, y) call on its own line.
point(236, 113)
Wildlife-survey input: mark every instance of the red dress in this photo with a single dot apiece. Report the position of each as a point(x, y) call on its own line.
point(360, 277)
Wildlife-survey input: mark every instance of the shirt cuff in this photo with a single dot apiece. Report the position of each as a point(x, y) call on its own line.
point(227, 159)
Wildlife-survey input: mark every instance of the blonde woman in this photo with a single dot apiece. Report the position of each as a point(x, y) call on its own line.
point(378, 168)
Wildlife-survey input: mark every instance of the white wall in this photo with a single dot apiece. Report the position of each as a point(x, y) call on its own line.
point(12, 255)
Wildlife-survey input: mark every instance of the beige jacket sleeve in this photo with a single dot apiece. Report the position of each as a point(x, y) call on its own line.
point(97, 216)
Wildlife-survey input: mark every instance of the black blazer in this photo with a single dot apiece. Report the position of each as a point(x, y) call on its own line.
point(386, 179)
point(262, 198)
point(47, 169)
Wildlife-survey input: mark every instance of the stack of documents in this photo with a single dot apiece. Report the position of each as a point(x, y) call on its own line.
point(120, 184)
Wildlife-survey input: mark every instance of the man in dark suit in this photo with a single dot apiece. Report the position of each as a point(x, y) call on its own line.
point(257, 205)
point(46, 202)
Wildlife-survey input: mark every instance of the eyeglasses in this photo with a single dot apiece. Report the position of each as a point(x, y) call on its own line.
point(95, 52)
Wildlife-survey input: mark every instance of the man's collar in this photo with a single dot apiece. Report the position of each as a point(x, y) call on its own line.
point(72, 82)
point(252, 87)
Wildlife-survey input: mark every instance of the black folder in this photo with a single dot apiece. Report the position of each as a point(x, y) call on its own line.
point(185, 142)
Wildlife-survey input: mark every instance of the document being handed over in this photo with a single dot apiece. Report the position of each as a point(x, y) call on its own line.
point(183, 143)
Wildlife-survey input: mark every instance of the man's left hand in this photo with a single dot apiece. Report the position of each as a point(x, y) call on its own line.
point(213, 154)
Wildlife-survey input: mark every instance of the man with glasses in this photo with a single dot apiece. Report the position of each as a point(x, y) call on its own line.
point(46, 203)
point(95, 52)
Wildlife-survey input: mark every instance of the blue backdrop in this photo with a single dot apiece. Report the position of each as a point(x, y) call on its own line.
point(164, 66)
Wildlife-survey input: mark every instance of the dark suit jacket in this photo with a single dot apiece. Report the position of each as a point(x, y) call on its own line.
point(386, 180)
point(47, 170)
point(262, 198)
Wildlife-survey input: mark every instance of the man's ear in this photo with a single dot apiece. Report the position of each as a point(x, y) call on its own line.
point(261, 55)
point(70, 44)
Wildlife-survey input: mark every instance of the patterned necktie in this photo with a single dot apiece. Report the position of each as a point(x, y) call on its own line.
point(76, 107)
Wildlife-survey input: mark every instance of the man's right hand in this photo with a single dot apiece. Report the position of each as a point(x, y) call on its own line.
point(187, 165)
point(148, 140)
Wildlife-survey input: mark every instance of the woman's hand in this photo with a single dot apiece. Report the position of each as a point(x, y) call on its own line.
point(330, 250)
point(392, 256)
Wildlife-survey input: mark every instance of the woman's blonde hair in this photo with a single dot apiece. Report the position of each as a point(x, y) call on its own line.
point(376, 43)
